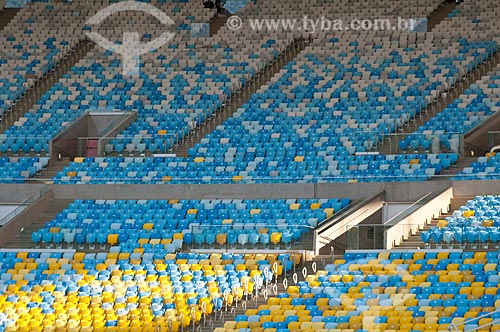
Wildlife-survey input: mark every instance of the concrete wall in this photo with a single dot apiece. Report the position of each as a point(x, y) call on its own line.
point(173, 191)
point(392, 209)
point(125, 121)
point(26, 218)
point(475, 188)
point(66, 143)
point(338, 226)
point(402, 192)
point(367, 241)
point(478, 137)
point(100, 123)
point(394, 192)
point(18, 193)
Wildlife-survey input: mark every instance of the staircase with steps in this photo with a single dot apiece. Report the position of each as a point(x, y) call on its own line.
point(6, 15)
point(440, 14)
point(23, 239)
point(454, 169)
point(216, 23)
point(54, 167)
point(413, 241)
point(217, 319)
point(44, 83)
point(240, 98)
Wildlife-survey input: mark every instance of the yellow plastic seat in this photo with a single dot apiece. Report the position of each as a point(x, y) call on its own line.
point(329, 212)
point(315, 206)
point(254, 211)
point(178, 236)
point(221, 239)
point(442, 223)
point(112, 239)
point(237, 178)
point(468, 213)
point(276, 237)
point(480, 255)
point(298, 159)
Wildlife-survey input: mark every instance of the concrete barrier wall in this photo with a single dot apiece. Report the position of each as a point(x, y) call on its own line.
point(26, 218)
point(173, 191)
point(18, 193)
point(475, 188)
point(394, 192)
point(326, 233)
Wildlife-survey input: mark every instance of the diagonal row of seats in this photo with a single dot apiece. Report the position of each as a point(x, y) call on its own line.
point(33, 43)
point(261, 169)
point(479, 101)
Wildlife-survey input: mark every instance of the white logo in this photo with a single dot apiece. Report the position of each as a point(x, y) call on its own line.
point(131, 47)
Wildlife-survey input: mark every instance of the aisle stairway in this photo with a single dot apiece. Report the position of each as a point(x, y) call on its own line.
point(463, 161)
point(390, 145)
point(54, 167)
point(43, 84)
point(23, 239)
point(218, 320)
point(240, 98)
point(415, 242)
point(6, 15)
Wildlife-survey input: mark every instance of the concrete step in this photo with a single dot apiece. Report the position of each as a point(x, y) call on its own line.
point(23, 239)
point(253, 302)
point(216, 23)
point(54, 167)
point(440, 14)
point(6, 16)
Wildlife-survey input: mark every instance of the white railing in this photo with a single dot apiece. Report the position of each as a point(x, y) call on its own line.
point(454, 327)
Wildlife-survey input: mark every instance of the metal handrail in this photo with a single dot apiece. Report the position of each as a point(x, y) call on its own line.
point(337, 217)
point(454, 327)
point(30, 200)
point(388, 222)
